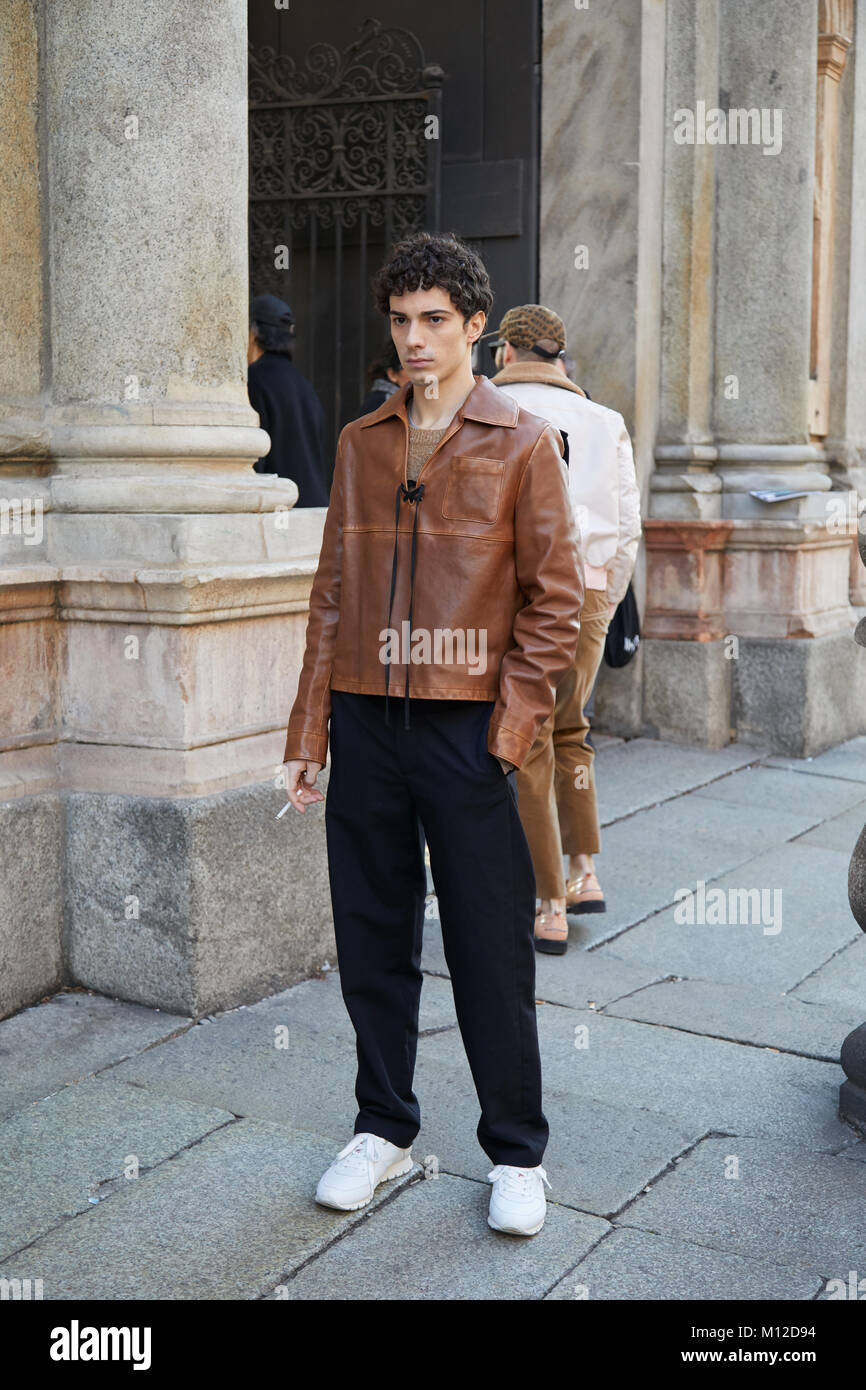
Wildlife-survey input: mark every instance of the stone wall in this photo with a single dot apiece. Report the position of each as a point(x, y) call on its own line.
point(152, 619)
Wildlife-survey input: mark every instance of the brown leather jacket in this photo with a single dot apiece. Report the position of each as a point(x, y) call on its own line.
point(496, 577)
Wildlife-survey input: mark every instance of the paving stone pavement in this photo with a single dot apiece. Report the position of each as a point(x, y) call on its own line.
point(691, 1084)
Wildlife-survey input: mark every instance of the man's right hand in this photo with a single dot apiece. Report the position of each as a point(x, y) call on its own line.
point(300, 776)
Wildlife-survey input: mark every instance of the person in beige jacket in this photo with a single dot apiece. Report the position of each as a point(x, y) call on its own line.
point(556, 782)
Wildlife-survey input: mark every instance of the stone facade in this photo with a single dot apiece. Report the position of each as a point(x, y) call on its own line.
point(734, 364)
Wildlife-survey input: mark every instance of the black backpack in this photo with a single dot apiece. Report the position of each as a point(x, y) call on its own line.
point(623, 634)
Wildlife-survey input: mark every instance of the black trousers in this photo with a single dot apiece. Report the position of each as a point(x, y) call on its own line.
point(389, 789)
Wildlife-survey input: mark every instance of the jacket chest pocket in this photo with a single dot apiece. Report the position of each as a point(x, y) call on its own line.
point(474, 489)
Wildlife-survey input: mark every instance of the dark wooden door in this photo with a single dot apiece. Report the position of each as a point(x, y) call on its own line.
point(340, 162)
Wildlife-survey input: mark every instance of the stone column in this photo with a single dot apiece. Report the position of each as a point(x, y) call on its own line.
point(156, 612)
point(835, 28)
point(602, 140)
point(852, 1093)
point(736, 396)
point(31, 821)
point(845, 441)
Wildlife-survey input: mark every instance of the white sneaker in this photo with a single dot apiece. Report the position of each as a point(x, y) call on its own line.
point(358, 1169)
point(517, 1202)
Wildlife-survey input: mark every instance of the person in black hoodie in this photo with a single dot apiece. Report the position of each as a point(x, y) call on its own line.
point(288, 406)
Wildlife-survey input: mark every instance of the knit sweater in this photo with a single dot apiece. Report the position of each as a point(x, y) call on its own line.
point(421, 445)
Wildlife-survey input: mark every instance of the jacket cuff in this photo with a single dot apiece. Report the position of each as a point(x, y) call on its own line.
point(505, 743)
point(305, 743)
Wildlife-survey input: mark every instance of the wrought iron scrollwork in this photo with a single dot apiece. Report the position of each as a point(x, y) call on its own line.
point(381, 62)
point(341, 137)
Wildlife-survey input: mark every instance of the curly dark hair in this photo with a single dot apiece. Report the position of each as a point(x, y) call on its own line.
point(426, 260)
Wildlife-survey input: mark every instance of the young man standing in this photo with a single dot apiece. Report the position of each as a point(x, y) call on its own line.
point(444, 609)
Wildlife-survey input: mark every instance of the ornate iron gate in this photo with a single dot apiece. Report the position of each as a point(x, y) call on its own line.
point(343, 157)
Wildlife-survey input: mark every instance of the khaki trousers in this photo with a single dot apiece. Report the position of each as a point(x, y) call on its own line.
point(556, 784)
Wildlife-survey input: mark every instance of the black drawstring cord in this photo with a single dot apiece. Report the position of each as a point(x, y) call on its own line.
point(414, 493)
point(391, 602)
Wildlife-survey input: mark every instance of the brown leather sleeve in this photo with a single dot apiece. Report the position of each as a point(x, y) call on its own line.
point(307, 735)
point(550, 573)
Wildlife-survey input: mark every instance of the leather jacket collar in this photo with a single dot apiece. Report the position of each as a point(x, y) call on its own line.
point(484, 403)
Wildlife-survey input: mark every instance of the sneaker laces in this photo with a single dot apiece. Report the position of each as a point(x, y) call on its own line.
point(516, 1181)
point(362, 1150)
